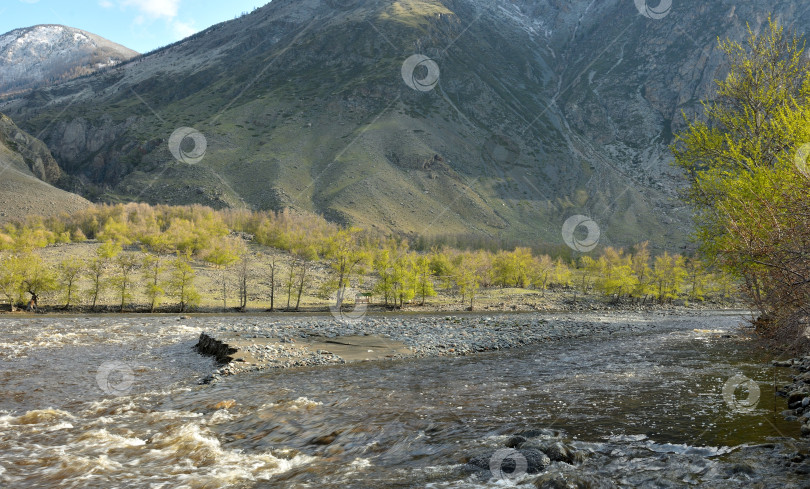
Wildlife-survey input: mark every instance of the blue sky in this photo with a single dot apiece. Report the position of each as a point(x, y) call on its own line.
point(141, 25)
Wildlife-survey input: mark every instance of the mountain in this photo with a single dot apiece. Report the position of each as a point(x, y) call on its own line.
point(44, 54)
point(493, 118)
point(26, 167)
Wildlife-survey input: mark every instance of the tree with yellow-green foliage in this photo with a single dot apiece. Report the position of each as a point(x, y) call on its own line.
point(614, 273)
point(181, 283)
point(542, 270)
point(748, 173)
point(222, 253)
point(70, 271)
point(424, 278)
point(37, 277)
point(11, 279)
point(640, 263)
point(153, 287)
point(347, 258)
point(669, 275)
point(125, 266)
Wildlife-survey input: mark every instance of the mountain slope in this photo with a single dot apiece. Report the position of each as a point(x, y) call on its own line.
point(24, 163)
point(542, 110)
point(44, 54)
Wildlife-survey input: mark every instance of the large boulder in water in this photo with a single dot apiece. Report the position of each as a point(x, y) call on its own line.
point(556, 450)
point(536, 461)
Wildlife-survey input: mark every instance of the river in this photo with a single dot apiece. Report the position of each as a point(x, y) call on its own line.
point(114, 401)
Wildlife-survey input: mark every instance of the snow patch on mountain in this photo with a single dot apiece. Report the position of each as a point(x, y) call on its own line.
point(43, 54)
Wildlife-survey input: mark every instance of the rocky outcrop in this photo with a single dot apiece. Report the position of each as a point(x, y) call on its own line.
point(36, 155)
point(208, 345)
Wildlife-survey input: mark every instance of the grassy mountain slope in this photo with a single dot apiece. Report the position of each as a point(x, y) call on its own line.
point(24, 163)
point(542, 110)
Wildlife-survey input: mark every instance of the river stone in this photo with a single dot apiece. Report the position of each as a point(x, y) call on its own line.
point(556, 451)
point(536, 461)
point(805, 402)
point(570, 481)
point(796, 397)
point(515, 441)
point(806, 429)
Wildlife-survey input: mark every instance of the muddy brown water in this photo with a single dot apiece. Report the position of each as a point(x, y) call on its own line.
point(113, 401)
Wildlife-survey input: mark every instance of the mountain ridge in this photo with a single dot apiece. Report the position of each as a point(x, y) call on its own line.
point(43, 54)
point(542, 110)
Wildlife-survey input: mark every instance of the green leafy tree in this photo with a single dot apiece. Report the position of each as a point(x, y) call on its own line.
point(614, 273)
point(542, 270)
point(383, 267)
point(11, 279)
point(346, 258)
point(748, 171)
point(70, 272)
point(153, 287)
point(222, 254)
point(181, 283)
point(670, 274)
point(37, 277)
point(424, 278)
point(125, 266)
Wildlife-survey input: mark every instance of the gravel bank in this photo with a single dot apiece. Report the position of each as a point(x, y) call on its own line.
point(310, 341)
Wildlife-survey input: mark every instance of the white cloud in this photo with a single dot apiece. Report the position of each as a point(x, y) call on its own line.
point(154, 8)
point(29, 1)
point(106, 4)
point(183, 29)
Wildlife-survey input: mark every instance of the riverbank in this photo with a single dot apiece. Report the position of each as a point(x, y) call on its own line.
point(327, 340)
point(798, 392)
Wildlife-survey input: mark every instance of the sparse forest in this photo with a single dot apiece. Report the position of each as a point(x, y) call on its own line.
point(146, 258)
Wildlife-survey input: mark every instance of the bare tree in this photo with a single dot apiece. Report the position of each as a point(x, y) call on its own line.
point(273, 268)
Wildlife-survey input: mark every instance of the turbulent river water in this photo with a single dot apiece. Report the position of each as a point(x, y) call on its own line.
point(646, 410)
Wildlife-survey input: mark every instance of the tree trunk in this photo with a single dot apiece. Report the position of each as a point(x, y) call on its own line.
point(301, 286)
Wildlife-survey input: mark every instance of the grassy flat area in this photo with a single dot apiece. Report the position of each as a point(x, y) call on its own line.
point(209, 281)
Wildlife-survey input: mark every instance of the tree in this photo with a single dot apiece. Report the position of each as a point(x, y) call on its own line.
point(403, 279)
point(70, 270)
point(542, 268)
point(669, 275)
point(642, 271)
point(615, 273)
point(125, 266)
point(153, 287)
point(697, 279)
point(181, 283)
point(384, 270)
point(467, 272)
point(223, 253)
point(424, 278)
point(11, 279)
point(37, 278)
point(274, 267)
point(243, 277)
point(346, 258)
point(748, 173)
